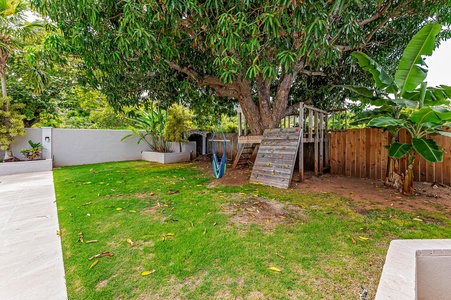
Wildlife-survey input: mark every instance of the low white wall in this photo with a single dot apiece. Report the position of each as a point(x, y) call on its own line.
point(88, 146)
point(69, 147)
point(19, 167)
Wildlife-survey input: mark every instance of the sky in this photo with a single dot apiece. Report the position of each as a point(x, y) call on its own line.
point(440, 65)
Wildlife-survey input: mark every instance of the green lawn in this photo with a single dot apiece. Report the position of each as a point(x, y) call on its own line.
point(206, 242)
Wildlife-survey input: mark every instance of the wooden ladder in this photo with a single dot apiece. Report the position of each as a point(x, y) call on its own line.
point(244, 154)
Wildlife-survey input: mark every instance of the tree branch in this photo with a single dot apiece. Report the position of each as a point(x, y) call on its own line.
point(313, 73)
point(377, 15)
point(191, 73)
point(221, 88)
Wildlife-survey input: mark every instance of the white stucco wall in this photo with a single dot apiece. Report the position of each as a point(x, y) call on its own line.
point(33, 134)
point(68, 147)
point(88, 146)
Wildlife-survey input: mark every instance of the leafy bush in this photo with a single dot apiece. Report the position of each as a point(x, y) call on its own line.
point(11, 124)
point(177, 125)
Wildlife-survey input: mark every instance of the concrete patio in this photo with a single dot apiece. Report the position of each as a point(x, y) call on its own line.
point(31, 262)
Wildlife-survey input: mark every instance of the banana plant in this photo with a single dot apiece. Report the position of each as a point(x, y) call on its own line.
point(149, 127)
point(405, 101)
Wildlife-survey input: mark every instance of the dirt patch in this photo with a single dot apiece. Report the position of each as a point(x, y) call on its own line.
point(367, 194)
point(101, 285)
point(232, 177)
point(370, 194)
point(151, 210)
point(256, 210)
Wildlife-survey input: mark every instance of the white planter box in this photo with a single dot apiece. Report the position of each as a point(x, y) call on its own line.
point(414, 268)
point(18, 167)
point(166, 158)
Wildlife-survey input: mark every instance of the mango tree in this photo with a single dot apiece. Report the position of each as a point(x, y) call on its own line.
point(267, 55)
point(405, 101)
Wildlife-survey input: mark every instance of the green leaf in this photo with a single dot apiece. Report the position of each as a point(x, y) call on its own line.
point(443, 113)
point(398, 150)
point(428, 149)
point(412, 70)
point(425, 114)
point(382, 78)
point(444, 133)
point(385, 122)
point(406, 103)
point(361, 90)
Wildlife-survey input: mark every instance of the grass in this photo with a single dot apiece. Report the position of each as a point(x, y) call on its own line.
point(184, 229)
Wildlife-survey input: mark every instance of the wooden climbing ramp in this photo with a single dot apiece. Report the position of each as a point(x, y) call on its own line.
point(276, 158)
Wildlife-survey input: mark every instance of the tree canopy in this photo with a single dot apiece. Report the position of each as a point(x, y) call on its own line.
point(265, 54)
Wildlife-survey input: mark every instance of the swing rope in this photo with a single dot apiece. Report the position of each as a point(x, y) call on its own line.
point(219, 167)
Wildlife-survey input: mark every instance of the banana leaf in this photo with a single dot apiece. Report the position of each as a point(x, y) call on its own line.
point(428, 149)
point(412, 70)
point(398, 150)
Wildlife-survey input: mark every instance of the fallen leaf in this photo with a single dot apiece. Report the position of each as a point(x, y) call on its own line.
point(58, 233)
point(103, 254)
point(119, 208)
point(205, 231)
point(274, 269)
point(132, 211)
point(130, 242)
point(94, 263)
point(87, 203)
point(145, 273)
point(91, 241)
point(363, 238)
point(352, 239)
point(279, 255)
point(417, 219)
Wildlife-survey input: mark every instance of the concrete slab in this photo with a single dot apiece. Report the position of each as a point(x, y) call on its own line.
point(31, 260)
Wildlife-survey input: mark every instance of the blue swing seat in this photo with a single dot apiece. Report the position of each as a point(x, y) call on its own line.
point(219, 167)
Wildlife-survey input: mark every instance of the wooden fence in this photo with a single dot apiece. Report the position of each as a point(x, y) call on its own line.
point(361, 153)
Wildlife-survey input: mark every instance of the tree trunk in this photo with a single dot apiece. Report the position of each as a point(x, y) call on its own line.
point(408, 179)
point(271, 108)
point(4, 93)
point(262, 113)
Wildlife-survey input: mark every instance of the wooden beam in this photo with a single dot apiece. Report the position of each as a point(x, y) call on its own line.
point(240, 123)
point(250, 139)
point(316, 142)
point(301, 143)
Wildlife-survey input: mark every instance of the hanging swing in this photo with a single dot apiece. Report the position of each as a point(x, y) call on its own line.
point(219, 167)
